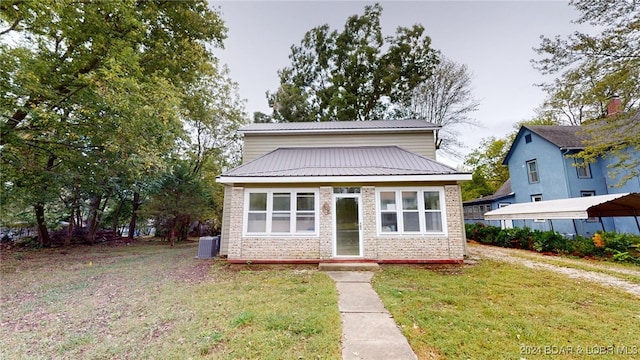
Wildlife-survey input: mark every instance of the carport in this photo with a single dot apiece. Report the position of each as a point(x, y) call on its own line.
point(611, 205)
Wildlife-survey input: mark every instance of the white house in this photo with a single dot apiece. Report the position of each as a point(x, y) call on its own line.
point(342, 191)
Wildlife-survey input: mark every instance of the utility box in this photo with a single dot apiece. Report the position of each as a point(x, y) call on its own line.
point(208, 247)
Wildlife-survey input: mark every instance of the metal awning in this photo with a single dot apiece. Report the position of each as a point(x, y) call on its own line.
point(625, 204)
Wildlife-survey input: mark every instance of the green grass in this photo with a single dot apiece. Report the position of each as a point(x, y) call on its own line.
point(151, 301)
point(496, 310)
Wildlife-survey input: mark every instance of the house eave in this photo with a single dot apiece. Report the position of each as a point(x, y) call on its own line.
point(339, 179)
point(488, 199)
point(336, 131)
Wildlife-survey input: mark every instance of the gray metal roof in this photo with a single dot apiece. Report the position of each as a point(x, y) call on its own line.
point(340, 126)
point(340, 161)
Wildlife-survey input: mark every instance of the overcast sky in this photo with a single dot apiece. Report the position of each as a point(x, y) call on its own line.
point(494, 39)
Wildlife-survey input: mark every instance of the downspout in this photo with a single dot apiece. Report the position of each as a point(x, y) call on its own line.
point(566, 180)
point(564, 168)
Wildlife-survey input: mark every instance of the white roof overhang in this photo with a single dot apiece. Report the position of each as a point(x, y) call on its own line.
point(625, 204)
point(339, 179)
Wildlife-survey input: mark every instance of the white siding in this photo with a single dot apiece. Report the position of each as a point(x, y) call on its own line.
point(421, 143)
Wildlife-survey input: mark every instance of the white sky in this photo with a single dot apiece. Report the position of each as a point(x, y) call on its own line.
point(495, 39)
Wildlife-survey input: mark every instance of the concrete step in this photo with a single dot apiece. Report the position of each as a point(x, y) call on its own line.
point(348, 266)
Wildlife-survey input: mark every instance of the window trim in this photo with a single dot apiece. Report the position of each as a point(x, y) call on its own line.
point(581, 164)
point(585, 193)
point(537, 198)
point(421, 211)
point(529, 172)
point(293, 212)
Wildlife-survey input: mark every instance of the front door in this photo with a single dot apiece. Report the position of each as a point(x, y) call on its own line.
point(347, 226)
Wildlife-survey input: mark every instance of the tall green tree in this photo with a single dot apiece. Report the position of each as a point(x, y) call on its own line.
point(486, 162)
point(177, 199)
point(353, 74)
point(593, 67)
point(94, 92)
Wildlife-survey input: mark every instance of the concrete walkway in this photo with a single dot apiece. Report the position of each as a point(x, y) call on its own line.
point(368, 330)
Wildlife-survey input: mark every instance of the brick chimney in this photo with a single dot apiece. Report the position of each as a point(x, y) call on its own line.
point(614, 107)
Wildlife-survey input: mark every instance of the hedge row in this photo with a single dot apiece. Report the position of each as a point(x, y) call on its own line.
point(603, 245)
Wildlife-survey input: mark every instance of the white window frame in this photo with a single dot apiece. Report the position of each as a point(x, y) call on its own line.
point(293, 212)
point(530, 173)
point(537, 198)
point(421, 210)
point(585, 167)
point(585, 193)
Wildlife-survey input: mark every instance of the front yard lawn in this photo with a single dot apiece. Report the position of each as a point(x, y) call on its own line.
point(150, 301)
point(496, 310)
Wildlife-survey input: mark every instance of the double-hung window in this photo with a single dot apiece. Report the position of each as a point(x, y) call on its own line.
point(532, 171)
point(281, 212)
point(411, 211)
point(583, 169)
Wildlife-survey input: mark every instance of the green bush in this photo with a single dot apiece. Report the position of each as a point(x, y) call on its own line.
point(549, 241)
point(485, 234)
point(581, 247)
point(614, 246)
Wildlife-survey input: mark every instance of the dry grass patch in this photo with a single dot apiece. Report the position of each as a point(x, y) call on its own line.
point(148, 300)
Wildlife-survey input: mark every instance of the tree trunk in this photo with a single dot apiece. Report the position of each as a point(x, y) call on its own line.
point(96, 209)
point(67, 240)
point(92, 223)
point(78, 217)
point(134, 214)
point(172, 235)
point(116, 217)
point(43, 234)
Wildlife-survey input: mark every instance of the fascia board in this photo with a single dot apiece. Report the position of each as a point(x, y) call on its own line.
point(336, 179)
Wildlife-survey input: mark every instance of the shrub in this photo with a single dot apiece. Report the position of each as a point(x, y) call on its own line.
point(607, 245)
point(485, 234)
point(581, 247)
point(549, 241)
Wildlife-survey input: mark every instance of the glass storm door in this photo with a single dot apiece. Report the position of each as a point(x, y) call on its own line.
point(347, 225)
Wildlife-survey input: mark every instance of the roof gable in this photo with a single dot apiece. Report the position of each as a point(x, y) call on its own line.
point(562, 137)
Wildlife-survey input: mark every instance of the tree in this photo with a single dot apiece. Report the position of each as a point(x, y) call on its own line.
point(486, 162)
point(179, 197)
point(355, 74)
point(445, 99)
point(592, 68)
point(476, 188)
point(82, 80)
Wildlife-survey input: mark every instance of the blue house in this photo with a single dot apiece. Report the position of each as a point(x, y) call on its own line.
point(542, 168)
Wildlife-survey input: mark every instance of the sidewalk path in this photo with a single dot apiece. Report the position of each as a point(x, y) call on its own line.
point(368, 330)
